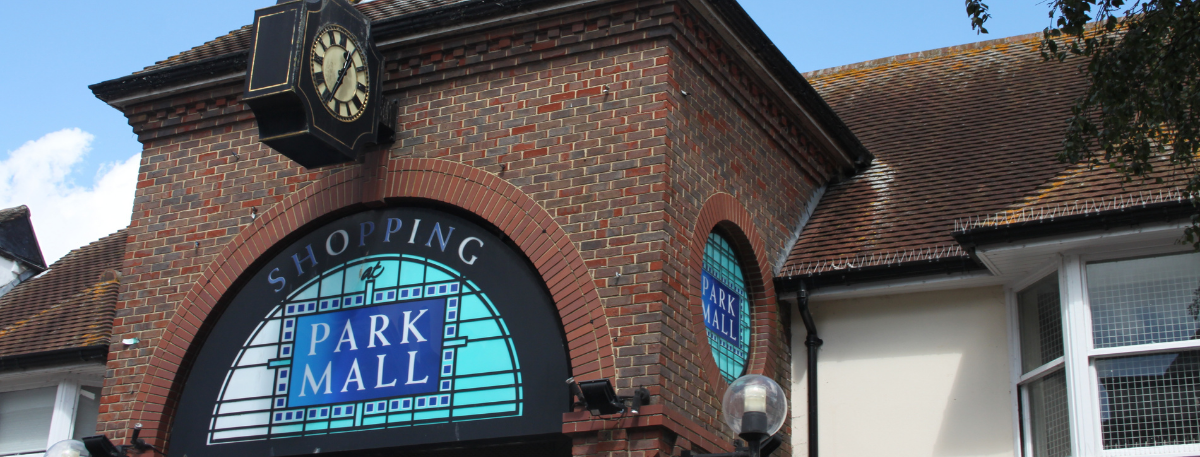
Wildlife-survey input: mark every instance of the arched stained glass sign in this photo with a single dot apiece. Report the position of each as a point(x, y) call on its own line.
point(404, 326)
point(726, 307)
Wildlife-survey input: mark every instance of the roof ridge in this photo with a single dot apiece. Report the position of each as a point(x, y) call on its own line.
point(927, 54)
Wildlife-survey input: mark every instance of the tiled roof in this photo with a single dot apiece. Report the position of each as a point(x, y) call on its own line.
point(956, 132)
point(69, 306)
point(1085, 188)
point(239, 40)
point(18, 240)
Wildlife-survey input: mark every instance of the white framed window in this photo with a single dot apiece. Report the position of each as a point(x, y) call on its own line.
point(40, 408)
point(1107, 356)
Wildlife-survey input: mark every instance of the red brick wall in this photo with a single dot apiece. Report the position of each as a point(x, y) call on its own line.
point(581, 118)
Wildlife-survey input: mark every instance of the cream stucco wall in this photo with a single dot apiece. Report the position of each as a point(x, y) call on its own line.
point(921, 374)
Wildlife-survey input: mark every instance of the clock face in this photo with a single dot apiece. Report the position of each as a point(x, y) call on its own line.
point(339, 72)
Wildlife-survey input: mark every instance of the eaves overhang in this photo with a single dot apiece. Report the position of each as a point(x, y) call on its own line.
point(874, 274)
point(730, 20)
point(87, 354)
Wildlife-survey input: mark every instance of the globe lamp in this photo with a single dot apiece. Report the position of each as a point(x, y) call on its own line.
point(68, 448)
point(754, 407)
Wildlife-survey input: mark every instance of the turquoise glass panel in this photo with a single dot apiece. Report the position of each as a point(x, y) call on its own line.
point(475, 374)
point(721, 263)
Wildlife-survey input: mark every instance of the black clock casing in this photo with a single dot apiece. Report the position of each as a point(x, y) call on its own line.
point(281, 91)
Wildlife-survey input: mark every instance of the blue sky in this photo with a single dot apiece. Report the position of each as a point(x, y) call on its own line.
point(55, 52)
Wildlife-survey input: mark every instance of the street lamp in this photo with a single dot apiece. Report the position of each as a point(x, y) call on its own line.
point(67, 448)
point(754, 407)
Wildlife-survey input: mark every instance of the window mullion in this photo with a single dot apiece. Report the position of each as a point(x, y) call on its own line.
point(1078, 343)
point(1020, 425)
point(62, 420)
point(1027, 423)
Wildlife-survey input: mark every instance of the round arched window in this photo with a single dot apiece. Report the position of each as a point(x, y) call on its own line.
point(726, 304)
point(385, 328)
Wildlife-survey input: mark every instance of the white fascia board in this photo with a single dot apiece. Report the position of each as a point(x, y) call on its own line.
point(905, 286)
point(85, 373)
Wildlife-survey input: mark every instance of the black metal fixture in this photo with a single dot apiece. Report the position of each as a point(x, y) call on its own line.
point(100, 446)
point(599, 397)
point(754, 407)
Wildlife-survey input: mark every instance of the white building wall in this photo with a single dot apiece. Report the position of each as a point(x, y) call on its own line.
point(920, 374)
point(9, 269)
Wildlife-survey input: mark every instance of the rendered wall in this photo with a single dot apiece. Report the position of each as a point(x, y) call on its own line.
point(922, 374)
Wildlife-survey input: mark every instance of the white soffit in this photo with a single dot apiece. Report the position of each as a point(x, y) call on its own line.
point(1014, 261)
point(907, 286)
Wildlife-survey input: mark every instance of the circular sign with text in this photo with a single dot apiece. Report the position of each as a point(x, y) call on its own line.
point(387, 328)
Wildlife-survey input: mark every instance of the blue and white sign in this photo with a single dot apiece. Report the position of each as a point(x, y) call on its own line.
point(726, 307)
point(383, 329)
point(366, 353)
point(722, 309)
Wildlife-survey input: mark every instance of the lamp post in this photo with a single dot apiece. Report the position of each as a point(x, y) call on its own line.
point(754, 407)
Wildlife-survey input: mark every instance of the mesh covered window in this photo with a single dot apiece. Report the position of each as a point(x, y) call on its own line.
point(1149, 400)
point(1049, 422)
point(1041, 323)
point(1047, 431)
point(1144, 301)
point(730, 341)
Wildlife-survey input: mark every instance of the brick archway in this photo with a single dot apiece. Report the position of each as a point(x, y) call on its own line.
point(724, 211)
point(355, 188)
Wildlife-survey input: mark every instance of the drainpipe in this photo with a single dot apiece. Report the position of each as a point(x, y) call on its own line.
point(813, 343)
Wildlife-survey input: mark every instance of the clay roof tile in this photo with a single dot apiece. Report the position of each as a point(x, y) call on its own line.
point(71, 305)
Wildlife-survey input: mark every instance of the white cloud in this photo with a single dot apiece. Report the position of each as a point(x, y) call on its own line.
point(66, 216)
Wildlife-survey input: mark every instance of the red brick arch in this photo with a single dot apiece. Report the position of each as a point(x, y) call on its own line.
point(724, 211)
point(355, 188)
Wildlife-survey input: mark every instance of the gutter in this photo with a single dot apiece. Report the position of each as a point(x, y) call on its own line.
point(852, 276)
point(89, 354)
point(1074, 224)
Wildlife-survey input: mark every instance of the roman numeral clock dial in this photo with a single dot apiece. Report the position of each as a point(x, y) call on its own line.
point(339, 72)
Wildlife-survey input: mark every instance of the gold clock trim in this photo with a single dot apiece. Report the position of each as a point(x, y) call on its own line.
point(288, 76)
point(358, 49)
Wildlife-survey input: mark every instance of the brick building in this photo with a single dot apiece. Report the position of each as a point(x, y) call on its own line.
point(568, 184)
point(55, 329)
point(603, 143)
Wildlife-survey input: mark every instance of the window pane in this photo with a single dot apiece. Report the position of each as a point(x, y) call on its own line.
point(1048, 418)
point(721, 264)
point(25, 419)
point(1143, 301)
point(1041, 323)
point(1149, 400)
point(87, 411)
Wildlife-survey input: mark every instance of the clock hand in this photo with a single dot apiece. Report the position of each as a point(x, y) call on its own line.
point(341, 74)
